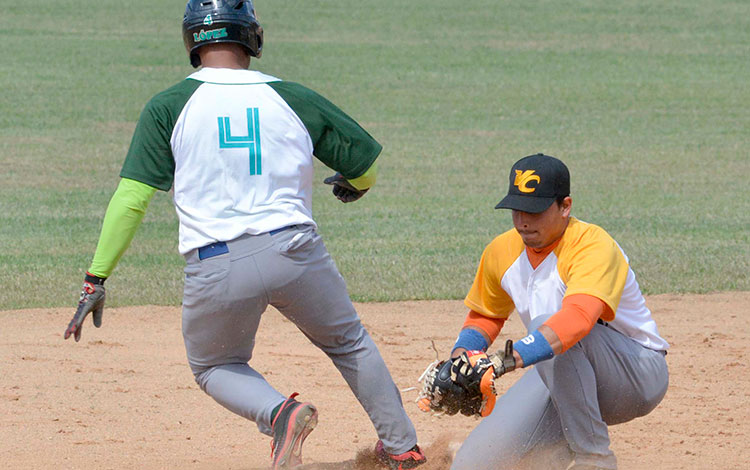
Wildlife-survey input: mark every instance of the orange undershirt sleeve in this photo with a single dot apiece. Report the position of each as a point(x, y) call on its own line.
point(490, 326)
point(577, 316)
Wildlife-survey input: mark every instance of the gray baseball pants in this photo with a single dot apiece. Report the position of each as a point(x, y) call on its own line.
point(564, 405)
point(225, 296)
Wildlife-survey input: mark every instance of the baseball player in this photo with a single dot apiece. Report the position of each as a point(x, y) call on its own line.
point(237, 146)
point(598, 356)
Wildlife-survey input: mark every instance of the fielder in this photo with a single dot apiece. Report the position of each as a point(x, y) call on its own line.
point(598, 356)
point(237, 148)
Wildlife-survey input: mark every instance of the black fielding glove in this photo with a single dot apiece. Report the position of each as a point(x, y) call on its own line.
point(440, 393)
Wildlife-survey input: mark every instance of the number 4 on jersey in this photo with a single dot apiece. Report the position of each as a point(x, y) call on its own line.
point(251, 141)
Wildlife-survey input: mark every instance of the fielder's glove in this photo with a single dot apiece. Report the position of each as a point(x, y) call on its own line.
point(343, 189)
point(474, 373)
point(442, 395)
point(91, 300)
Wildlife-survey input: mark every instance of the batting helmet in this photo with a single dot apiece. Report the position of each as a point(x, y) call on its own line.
point(214, 21)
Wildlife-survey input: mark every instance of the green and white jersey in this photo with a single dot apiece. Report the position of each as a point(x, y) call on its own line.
point(237, 147)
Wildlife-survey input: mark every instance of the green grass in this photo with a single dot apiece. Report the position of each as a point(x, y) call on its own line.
point(646, 103)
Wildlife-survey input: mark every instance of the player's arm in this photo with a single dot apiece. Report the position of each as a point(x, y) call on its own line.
point(473, 371)
point(338, 140)
point(489, 304)
point(477, 334)
point(562, 330)
point(122, 219)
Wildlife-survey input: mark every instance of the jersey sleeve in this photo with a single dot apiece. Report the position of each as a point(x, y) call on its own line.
point(576, 318)
point(338, 141)
point(594, 264)
point(487, 296)
point(149, 159)
point(490, 326)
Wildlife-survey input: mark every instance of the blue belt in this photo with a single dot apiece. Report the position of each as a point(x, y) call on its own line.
point(279, 230)
point(219, 248)
point(214, 249)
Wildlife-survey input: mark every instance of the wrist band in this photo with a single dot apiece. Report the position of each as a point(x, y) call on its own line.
point(471, 340)
point(533, 348)
point(94, 279)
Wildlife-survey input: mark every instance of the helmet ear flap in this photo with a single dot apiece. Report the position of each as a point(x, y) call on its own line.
point(195, 59)
point(259, 41)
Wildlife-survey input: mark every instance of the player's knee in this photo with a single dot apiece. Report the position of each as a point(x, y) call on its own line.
point(653, 395)
point(351, 339)
point(200, 375)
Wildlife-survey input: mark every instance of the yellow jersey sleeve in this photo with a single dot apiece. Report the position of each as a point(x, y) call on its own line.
point(590, 262)
point(486, 296)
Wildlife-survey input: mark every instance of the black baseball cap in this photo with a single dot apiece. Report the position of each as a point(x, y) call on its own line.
point(536, 182)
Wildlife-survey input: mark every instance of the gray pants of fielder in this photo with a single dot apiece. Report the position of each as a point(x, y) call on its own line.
point(226, 295)
point(562, 406)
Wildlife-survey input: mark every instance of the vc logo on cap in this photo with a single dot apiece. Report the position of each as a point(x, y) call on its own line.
point(523, 178)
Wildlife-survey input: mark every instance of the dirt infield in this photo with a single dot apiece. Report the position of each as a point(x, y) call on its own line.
point(124, 397)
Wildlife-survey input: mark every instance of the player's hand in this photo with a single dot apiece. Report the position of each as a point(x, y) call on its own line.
point(503, 361)
point(343, 190)
point(91, 300)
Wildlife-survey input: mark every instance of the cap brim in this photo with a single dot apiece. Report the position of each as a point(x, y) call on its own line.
point(530, 204)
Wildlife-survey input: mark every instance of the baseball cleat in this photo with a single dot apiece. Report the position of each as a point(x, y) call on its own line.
point(409, 459)
point(293, 422)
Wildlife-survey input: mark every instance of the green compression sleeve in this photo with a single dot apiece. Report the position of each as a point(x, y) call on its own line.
point(124, 214)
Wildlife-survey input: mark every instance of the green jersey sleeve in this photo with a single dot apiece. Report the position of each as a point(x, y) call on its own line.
point(338, 141)
point(149, 159)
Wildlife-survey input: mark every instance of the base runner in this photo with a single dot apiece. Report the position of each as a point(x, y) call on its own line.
point(237, 148)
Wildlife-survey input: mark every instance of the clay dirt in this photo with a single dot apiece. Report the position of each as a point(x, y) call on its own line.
point(124, 397)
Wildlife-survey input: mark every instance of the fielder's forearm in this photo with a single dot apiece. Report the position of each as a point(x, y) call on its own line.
point(552, 339)
point(124, 215)
point(554, 344)
point(488, 328)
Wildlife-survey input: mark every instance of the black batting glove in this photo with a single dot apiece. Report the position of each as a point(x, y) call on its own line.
point(343, 190)
point(91, 300)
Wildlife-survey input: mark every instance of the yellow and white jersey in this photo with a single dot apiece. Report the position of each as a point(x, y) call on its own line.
point(587, 260)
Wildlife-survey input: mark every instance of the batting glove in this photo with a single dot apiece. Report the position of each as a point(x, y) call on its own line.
point(91, 300)
point(343, 189)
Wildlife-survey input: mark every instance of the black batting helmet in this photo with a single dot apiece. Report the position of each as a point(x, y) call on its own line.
point(213, 21)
